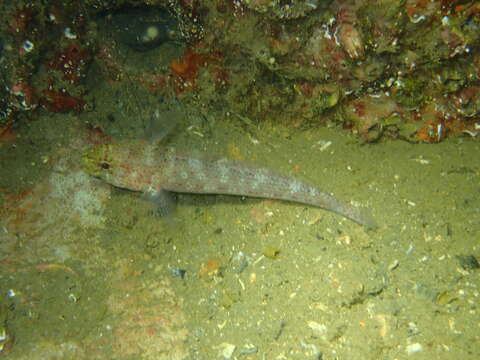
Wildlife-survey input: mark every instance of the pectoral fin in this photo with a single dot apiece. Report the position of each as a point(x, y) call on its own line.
point(165, 201)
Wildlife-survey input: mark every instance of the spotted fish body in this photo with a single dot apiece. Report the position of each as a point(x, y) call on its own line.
point(140, 166)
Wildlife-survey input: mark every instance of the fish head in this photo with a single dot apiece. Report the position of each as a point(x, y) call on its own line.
point(99, 161)
point(112, 163)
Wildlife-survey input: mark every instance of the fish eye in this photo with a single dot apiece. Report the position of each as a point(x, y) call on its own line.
point(105, 165)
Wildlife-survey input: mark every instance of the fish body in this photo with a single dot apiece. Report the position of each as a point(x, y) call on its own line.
point(140, 166)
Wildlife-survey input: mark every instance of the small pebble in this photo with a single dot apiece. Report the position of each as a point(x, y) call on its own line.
point(393, 265)
point(179, 273)
point(248, 349)
point(468, 262)
point(226, 350)
point(271, 253)
point(414, 348)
